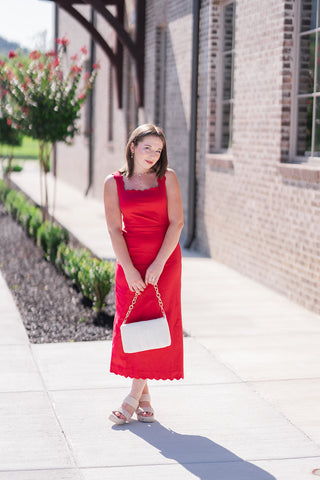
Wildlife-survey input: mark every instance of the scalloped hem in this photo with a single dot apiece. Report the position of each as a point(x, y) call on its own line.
point(144, 377)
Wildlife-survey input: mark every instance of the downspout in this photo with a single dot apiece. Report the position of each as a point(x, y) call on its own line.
point(191, 226)
point(90, 107)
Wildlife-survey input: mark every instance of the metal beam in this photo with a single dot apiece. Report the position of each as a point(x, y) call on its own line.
point(140, 41)
point(119, 53)
point(136, 49)
point(89, 27)
point(122, 35)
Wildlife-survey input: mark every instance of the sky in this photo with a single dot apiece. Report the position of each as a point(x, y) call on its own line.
point(25, 21)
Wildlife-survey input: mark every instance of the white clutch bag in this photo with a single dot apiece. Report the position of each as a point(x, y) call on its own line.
point(146, 334)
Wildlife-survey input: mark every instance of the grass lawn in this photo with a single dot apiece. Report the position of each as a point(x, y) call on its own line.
point(29, 149)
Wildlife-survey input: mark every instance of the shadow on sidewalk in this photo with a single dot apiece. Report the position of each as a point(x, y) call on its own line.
point(199, 455)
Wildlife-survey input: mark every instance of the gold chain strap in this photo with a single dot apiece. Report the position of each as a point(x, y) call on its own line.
point(135, 299)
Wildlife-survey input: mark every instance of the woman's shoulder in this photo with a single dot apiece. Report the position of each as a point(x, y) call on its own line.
point(110, 181)
point(171, 179)
point(112, 177)
point(170, 175)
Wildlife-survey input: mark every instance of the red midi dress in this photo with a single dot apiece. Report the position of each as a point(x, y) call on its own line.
point(145, 222)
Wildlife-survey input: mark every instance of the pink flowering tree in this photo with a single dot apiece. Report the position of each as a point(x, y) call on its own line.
point(9, 136)
point(45, 98)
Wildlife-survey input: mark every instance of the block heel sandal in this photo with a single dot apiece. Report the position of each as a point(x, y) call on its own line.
point(120, 421)
point(145, 397)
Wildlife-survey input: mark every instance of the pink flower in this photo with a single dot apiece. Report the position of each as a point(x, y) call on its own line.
point(9, 75)
point(62, 41)
point(2, 63)
point(8, 121)
point(52, 53)
point(76, 69)
point(84, 50)
point(96, 66)
point(12, 54)
point(74, 57)
point(86, 76)
point(34, 55)
point(56, 62)
point(82, 96)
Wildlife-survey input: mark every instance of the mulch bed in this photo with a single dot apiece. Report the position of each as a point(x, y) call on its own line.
point(51, 308)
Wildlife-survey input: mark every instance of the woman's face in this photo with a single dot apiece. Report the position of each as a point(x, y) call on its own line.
point(146, 153)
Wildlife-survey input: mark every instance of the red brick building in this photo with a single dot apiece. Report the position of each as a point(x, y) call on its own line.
point(235, 86)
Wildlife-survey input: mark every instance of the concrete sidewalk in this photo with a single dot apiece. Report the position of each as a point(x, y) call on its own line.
point(248, 409)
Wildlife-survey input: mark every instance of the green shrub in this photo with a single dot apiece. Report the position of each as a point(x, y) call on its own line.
point(96, 278)
point(14, 168)
point(49, 237)
point(70, 260)
point(93, 277)
point(15, 202)
point(25, 215)
point(23, 211)
point(4, 190)
point(34, 222)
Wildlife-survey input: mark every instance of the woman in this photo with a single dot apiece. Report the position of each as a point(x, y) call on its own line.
point(144, 217)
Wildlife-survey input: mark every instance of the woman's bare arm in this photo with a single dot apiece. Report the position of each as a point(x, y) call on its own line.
point(114, 225)
point(171, 238)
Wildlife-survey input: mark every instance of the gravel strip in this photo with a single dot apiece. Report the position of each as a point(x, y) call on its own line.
point(51, 308)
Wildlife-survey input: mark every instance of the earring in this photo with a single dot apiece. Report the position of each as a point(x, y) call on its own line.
point(131, 156)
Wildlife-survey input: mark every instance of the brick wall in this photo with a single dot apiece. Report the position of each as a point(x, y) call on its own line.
point(108, 156)
point(176, 18)
point(253, 213)
point(76, 157)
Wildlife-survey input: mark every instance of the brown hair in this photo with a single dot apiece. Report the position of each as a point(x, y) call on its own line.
point(136, 136)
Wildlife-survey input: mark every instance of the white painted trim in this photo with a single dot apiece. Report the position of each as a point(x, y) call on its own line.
point(295, 82)
point(293, 157)
point(219, 74)
point(220, 70)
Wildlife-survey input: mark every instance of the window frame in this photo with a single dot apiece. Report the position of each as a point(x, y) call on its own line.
point(220, 81)
point(161, 45)
point(110, 106)
point(299, 159)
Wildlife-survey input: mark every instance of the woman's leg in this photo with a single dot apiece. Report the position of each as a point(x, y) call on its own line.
point(136, 390)
point(145, 403)
point(138, 385)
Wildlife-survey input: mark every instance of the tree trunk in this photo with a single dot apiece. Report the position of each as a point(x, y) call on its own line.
point(44, 158)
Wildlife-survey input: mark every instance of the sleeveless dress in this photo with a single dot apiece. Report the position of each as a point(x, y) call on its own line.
point(145, 222)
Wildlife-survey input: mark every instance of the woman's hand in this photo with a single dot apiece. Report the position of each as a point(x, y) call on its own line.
point(134, 280)
point(153, 273)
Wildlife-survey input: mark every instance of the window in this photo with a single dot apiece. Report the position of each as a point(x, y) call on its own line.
point(110, 105)
point(160, 76)
point(221, 78)
point(227, 69)
point(308, 85)
point(131, 108)
point(87, 106)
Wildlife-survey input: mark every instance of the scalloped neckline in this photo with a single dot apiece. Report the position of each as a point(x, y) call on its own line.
point(139, 189)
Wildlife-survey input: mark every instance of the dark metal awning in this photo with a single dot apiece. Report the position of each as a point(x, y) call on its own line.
point(135, 48)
